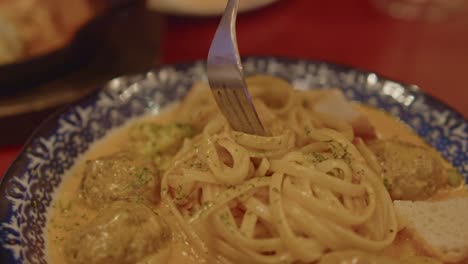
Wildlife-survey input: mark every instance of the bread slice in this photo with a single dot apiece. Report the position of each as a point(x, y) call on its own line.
point(441, 226)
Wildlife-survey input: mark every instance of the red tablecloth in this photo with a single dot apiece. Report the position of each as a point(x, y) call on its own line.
point(431, 55)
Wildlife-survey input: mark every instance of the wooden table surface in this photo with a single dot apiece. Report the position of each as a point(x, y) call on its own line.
point(432, 55)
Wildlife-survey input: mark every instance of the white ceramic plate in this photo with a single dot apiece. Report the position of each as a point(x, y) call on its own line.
point(202, 7)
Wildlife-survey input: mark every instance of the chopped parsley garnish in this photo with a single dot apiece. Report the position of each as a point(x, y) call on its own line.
point(387, 184)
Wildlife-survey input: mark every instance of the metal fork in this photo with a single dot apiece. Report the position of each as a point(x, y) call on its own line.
point(226, 77)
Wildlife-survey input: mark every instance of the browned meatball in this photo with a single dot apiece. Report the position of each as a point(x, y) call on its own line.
point(122, 233)
point(410, 172)
point(121, 176)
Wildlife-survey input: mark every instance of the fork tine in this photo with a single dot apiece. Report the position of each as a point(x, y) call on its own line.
point(228, 110)
point(238, 110)
point(247, 112)
point(226, 77)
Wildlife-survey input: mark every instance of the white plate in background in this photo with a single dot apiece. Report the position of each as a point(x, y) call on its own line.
point(202, 7)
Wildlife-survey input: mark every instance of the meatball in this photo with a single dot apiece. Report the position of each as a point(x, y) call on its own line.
point(122, 233)
point(120, 176)
point(410, 172)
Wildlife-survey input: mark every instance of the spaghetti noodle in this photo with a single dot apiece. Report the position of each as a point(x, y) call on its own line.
point(311, 187)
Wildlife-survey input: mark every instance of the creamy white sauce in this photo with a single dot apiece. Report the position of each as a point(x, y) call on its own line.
point(69, 213)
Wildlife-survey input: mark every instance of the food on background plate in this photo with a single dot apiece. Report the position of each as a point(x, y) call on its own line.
point(11, 44)
point(32, 28)
point(331, 185)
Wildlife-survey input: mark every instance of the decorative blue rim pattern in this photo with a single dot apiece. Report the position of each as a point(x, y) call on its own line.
point(27, 188)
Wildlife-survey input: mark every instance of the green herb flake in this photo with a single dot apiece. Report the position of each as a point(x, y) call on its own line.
point(64, 208)
point(387, 184)
point(197, 165)
point(317, 157)
point(454, 179)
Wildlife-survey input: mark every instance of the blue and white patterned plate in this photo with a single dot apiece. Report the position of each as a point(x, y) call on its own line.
point(27, 188)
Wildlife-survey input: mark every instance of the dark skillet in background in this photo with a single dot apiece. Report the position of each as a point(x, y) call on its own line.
point(29, 72)
point(33, 71)
point(123, 40)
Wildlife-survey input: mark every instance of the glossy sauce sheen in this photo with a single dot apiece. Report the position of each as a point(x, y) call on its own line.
point(68, 213)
